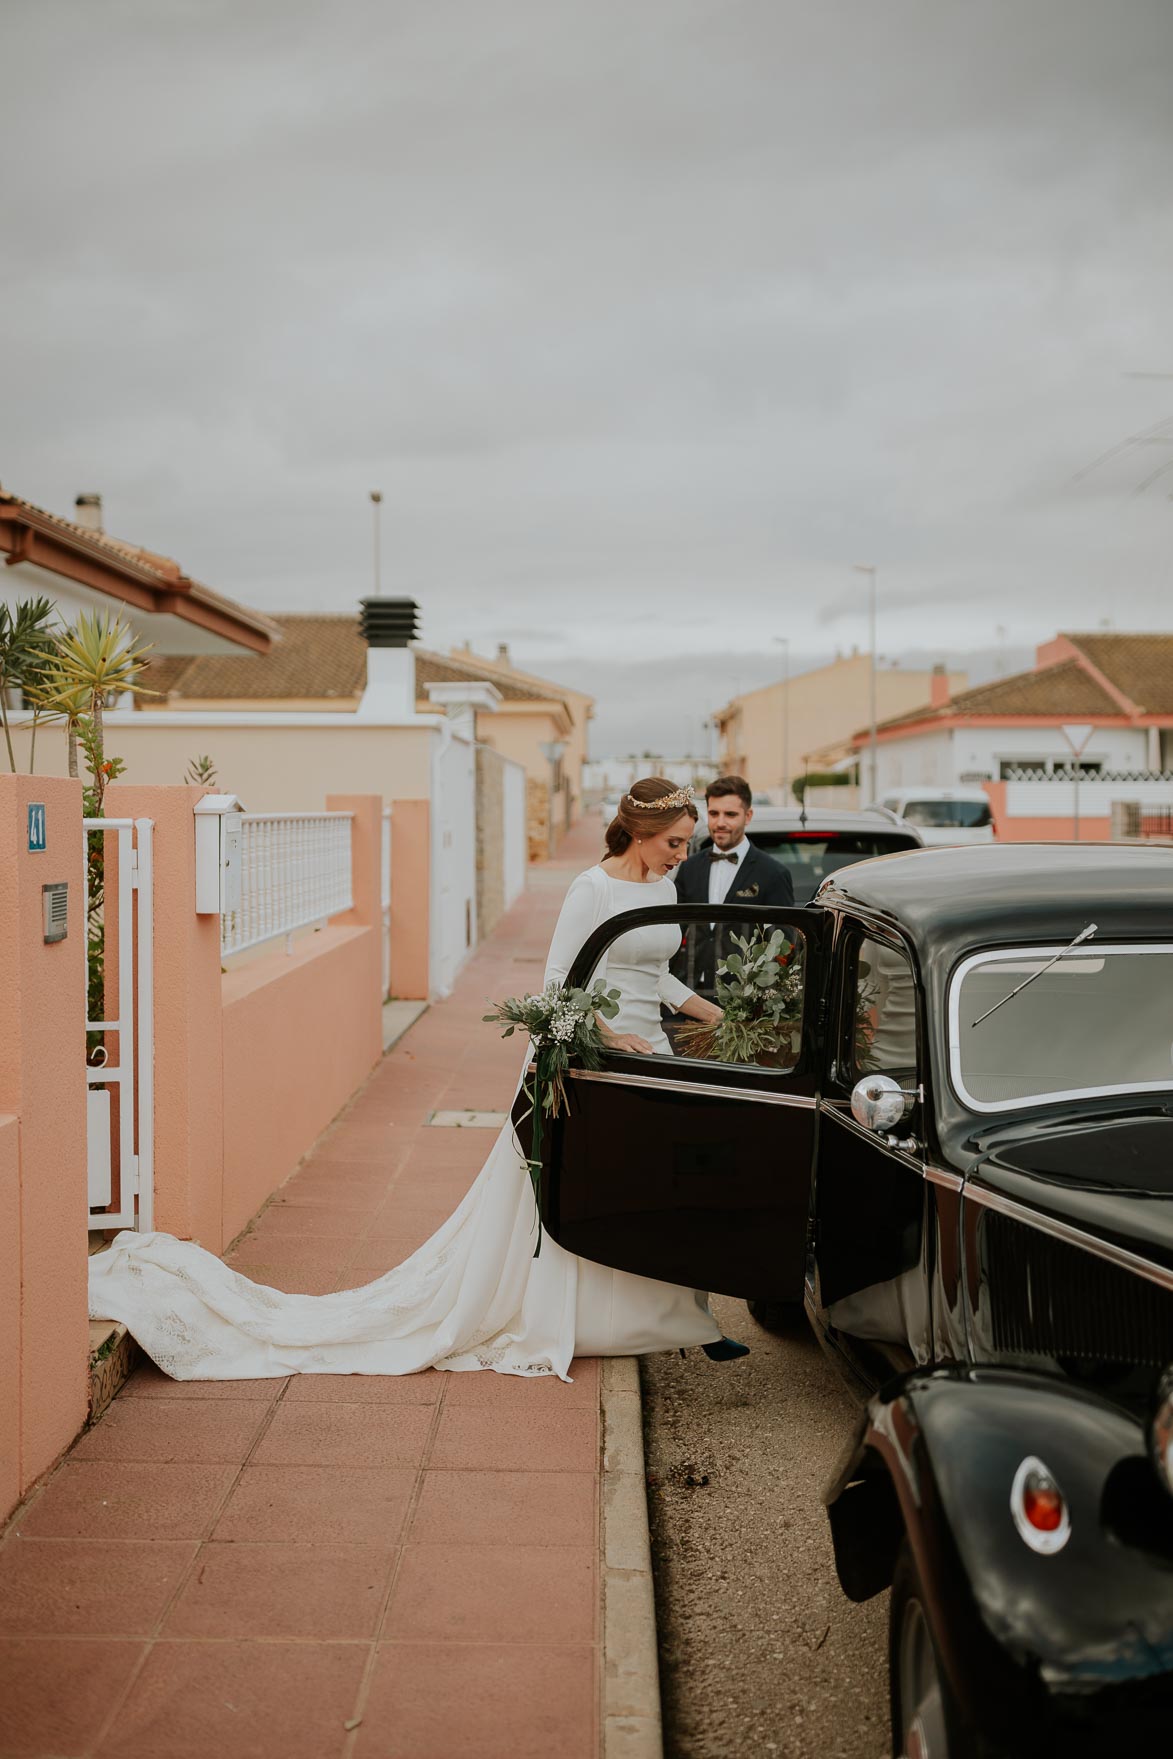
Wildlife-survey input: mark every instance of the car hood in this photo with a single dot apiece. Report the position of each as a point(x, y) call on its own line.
point(1110, 1177)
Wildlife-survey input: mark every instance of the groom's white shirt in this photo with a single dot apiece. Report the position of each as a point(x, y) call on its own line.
point(723, 873)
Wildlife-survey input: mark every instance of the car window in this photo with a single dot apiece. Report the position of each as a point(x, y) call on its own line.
point(883, 1020)
point(1098, 1021)
point(754, 971)
point(962, 814)
point(811, 856)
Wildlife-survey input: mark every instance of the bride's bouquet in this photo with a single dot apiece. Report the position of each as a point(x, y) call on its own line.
point(560, 1024)
point(759, 989)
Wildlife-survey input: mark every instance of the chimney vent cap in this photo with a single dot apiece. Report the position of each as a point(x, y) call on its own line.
point(389, 622)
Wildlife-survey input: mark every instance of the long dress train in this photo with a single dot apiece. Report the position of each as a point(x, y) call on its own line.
point(473, 1296)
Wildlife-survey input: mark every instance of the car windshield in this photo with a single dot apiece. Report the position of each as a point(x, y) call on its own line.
point(1099, 1021)
point(963, 814)
point(811, 855)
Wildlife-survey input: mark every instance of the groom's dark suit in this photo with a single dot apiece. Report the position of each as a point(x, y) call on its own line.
point(758, 880)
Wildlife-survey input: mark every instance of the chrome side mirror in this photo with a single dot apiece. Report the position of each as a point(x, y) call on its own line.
point(880, 1103)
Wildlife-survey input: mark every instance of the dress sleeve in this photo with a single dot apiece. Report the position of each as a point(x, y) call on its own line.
point(575, 922)
point(671, 991)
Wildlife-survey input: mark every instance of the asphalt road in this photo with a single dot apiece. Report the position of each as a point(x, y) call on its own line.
point(761, 1654)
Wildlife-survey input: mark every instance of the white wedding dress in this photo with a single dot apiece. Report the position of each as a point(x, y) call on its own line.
point(474, 1295)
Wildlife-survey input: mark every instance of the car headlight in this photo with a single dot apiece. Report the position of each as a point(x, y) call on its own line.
point(1161, 1431)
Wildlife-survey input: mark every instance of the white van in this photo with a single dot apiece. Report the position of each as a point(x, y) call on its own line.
point(943, 815)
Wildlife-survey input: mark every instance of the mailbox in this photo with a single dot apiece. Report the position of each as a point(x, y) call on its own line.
point(217, 834)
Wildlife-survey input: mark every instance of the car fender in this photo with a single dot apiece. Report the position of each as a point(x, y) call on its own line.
point(935, 1458)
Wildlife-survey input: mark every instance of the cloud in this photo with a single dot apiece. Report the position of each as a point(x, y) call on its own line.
point(645, 319)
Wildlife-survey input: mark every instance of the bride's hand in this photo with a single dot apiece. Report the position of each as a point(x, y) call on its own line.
point(627, 1041)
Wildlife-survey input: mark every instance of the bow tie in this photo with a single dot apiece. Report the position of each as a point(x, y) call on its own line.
point(716, 855)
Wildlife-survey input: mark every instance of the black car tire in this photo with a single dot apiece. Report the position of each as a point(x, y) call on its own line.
point(776, 1316)
point(927, 1722)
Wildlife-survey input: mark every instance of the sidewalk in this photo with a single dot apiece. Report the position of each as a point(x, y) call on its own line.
point(322, 1565)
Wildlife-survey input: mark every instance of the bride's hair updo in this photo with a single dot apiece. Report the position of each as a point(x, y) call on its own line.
point(634, 820)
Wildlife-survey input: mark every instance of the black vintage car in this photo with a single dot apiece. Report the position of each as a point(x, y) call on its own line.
point(958, 1154)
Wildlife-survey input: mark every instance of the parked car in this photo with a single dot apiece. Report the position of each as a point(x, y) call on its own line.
point(963, 1170)
point(943, 815)
point(814, 845)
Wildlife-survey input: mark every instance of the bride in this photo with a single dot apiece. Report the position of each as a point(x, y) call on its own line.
point(474, 1295)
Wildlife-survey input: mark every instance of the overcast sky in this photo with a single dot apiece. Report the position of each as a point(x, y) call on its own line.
point(648, 317)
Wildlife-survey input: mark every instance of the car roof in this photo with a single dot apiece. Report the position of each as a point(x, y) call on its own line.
point(936, 794)
point(960, 898)
point(791, 818)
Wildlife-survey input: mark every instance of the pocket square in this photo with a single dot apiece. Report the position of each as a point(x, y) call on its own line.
point(747, 892)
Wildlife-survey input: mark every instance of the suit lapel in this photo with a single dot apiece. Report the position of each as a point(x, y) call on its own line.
point(747, 881)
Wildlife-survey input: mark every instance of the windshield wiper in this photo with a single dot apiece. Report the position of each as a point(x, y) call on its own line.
point(1084, 935)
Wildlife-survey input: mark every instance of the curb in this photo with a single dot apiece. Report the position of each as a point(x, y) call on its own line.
point(631, 1725)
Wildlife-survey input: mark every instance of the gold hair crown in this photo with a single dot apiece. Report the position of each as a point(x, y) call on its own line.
point(682, 797)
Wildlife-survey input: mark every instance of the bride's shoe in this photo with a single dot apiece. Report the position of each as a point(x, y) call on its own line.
point(725, 1350)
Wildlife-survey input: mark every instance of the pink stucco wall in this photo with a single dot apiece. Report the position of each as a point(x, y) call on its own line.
point(43, 1143)
point(410, 899)
point(1042, 830)
point(250, 1064)
point(11, 1484)
point(300, 1034)
point(250, 1067)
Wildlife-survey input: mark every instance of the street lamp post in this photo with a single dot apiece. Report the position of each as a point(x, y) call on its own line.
point(784, 643)
point(376, 504)
point(868, 568)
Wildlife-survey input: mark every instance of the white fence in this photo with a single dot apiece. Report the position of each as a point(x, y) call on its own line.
point(1031, 794)
point(295, 869)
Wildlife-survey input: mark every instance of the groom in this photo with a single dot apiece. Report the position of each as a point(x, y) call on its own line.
point(732, 872)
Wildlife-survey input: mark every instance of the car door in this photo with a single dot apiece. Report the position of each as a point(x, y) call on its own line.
point(690, 1167)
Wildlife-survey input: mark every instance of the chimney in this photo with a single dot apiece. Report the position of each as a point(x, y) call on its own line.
point(503, 653)
point(939, 687)
point(388, 627)
point(88, 512)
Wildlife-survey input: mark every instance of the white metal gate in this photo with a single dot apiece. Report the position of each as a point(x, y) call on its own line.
point(120, 1137)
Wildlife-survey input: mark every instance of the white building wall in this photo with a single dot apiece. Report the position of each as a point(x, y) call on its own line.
point(515, 833)
point(922, 760)
point(951, 756)
point(980, 752)
point(454, 859)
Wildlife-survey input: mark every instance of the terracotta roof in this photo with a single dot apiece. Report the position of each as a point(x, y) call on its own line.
point(318, 657)
point(33, 534)
point(1063, 691)
point(315, 657)
point(433, 668)
point(1140, 666)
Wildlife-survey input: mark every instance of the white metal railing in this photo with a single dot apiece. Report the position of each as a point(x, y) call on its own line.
point(295, 870)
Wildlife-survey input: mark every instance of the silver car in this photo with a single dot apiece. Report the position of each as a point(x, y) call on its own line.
point(813, 844)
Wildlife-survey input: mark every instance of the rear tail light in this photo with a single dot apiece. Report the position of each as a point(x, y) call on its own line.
point(1039, 1508)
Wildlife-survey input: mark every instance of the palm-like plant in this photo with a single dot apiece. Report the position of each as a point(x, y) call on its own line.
point(26, 644)
point(98, 657)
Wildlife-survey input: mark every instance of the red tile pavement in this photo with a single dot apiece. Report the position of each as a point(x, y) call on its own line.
point(330, 1565)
